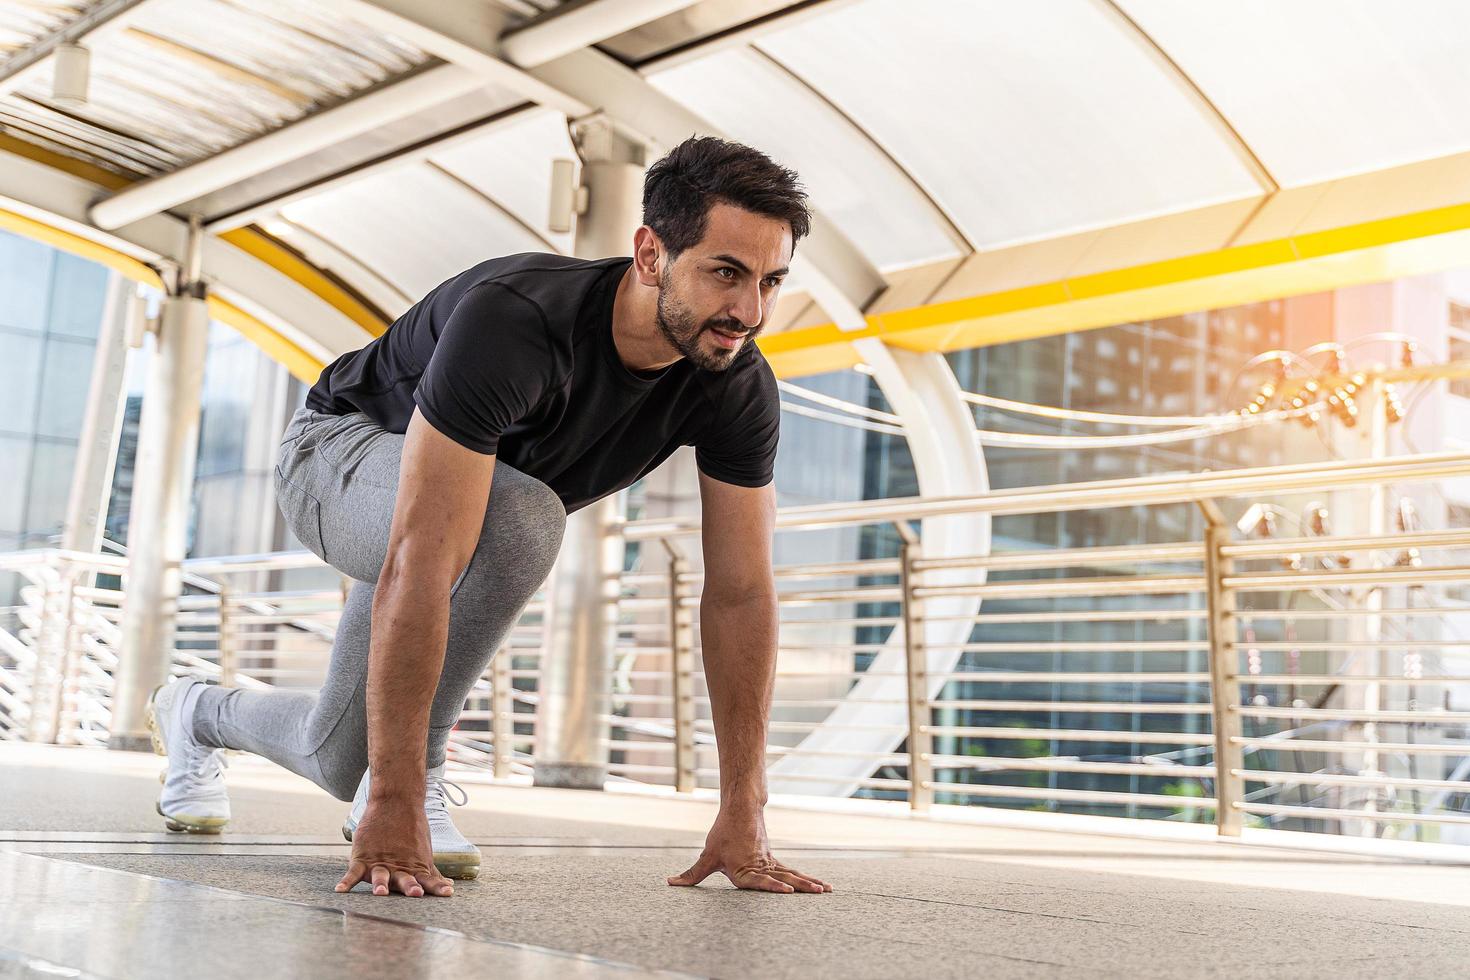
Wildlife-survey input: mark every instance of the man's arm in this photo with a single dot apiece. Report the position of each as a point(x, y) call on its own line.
point(739, 624)
point(443, 489)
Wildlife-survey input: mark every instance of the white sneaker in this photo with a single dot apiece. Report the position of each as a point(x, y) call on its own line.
point(454, 856)
point(193, 798)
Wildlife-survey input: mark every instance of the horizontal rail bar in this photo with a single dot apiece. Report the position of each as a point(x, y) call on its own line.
point(1075, 735)
point(1347, 714)
point(1069, 557)
point(993, 764)
point(1151, 490)
point(1073, 795)
point(1325, 813)
point(1319, 745)
point(1392, 577)
point(1348, 779)
point(1276, 547)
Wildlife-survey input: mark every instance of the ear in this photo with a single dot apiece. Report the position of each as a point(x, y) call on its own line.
point(648, 256)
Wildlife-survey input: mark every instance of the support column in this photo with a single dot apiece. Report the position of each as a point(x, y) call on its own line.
point(168, 441)
point(576, 670)
point(91, 483)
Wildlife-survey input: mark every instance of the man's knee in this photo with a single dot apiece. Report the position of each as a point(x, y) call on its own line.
point(340, 778)
point(526, 515)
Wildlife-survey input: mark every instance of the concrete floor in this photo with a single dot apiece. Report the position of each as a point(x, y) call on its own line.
point(90, 885)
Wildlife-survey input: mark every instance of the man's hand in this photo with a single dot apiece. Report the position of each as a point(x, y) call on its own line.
point(737, 848)
point(391, 851)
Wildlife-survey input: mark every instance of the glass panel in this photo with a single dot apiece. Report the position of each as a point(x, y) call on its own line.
point(20, 380)
point(15, 471)
point(229, 389)
point(1371, 84)
point(1024, 120)
point(66, 377)
point(25, 266)
point(216, 529)
point(512, 165)
point(50, 484)
point(78, 295)
point(845, 173)
point(418, 226)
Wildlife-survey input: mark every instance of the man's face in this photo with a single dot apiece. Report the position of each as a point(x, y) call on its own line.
point(714, 298)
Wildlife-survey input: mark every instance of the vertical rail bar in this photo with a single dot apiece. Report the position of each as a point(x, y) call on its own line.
point(502, 710)
point(921, 772)
point(1224, 684)
point(226, 641)
point(65, 663)
point(46, 667)
point(681, 668)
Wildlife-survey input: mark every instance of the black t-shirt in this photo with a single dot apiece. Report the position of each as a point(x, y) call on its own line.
point(515, 357)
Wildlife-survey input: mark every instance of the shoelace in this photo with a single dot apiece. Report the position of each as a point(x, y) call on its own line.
point(206, 769)
point(437, 792)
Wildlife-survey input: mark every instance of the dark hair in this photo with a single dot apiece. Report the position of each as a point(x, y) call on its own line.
point(703, 171)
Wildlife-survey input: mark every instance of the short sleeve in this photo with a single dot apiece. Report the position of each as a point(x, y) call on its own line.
point(491, 366)
point(739, 445)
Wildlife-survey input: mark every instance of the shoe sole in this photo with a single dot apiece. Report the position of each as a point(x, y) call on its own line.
point(458, 867)
point(175, 822)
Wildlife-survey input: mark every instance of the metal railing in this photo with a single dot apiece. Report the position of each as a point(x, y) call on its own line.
point(1307, 682)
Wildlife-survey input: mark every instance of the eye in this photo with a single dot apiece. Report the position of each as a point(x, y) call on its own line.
point(725, 272)
point(773, 282)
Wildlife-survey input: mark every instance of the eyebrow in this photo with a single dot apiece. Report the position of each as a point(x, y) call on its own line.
point(732, 260)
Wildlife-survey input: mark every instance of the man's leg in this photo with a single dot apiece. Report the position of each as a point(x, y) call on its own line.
point(337, 483)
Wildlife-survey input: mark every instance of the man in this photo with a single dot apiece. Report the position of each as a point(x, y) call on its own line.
point(436, 467)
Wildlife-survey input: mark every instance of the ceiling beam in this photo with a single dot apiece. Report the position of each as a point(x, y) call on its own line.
point(573, 26)
point(363, 114)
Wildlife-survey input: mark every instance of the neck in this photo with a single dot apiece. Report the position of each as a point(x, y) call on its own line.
point(640, 344)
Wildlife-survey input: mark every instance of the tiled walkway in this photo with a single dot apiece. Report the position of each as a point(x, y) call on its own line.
point(91, 885)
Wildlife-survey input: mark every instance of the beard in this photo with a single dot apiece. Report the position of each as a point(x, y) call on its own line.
point(679, 328)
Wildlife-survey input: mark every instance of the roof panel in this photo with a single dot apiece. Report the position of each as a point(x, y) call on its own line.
point(414, 227)
point(1327, 88)
point(189, 78)
point(1022, 119)
point(843, 169)
point(512, 165)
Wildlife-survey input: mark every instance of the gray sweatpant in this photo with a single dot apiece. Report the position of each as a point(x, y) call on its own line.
point(336, 481)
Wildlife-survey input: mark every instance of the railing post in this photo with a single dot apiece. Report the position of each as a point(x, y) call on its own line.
point(226, 640)
point(53, 663)
point(46, 669)
point(681, 669)
point(502, 710)
point(1224, 684)
point(920, 741)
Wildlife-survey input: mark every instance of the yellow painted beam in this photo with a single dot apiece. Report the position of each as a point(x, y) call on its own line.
point(263, 335)
point(287, 262)
point(66, 241)
point(1371, 251)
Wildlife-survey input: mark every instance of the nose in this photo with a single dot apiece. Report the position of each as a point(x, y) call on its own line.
point(748, 309)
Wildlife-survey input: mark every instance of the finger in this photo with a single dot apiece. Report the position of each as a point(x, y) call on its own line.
point(436, 884)
point(701, 870)
point(796, 881)
point(380, 879)
point(760, 881)
point(821, 885)
point(356, 871)
point(406, 883)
